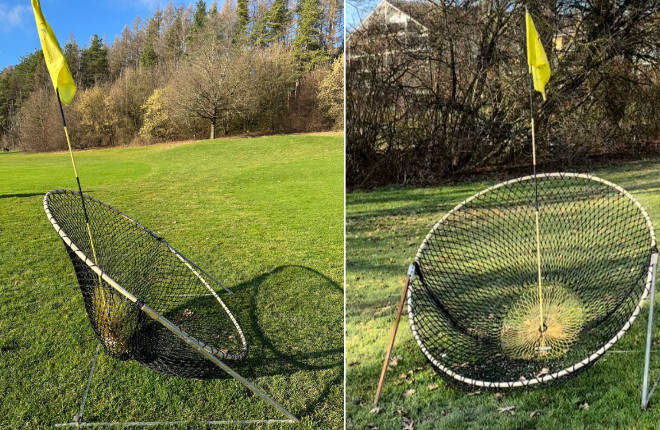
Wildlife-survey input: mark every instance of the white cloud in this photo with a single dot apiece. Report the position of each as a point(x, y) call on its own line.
point(12, 16)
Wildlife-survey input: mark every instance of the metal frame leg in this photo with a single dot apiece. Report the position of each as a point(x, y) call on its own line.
point(78, 418)
point(646, 394)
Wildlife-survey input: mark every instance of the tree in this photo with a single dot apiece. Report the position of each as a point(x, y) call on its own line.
point(308, 47)
point(333, 25)
point(72, 56)
point(243, 20)
point(94, 63)
point(157, 122)
point(274, 81)
point(214, 83)
point(97, 125)
point(331, 94)
point(199, 19)
point(125, 99)
point(450, 100)
point(279, 19)
point(16, 85)
point(37, 119)
point(149, 57)
point(173, 39)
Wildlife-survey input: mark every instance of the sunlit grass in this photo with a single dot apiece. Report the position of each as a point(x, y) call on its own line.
point(263, 215)
point(384, 229)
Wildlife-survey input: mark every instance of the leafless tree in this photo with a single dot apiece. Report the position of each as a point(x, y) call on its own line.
point(447, 93)
point(214, 83)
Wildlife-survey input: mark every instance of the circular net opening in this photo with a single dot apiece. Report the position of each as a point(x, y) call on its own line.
point(148, 268)
point(474, 302)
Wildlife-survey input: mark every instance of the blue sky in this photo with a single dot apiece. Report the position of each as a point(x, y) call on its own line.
point(18, 35)
point(356, 11)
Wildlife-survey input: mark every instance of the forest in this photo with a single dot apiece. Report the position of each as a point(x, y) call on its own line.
point(251, 67)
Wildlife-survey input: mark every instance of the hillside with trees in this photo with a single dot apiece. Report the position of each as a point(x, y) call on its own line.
point(187, 72)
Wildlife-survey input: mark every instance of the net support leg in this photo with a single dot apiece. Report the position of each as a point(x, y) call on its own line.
point(78, 418)
point(646, 394)
point(395, 327)
point(247, 384)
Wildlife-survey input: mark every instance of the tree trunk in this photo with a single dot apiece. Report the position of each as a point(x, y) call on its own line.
point(212, 129)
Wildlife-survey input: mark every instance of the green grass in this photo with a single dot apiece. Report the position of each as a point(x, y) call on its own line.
point(264, 215)
point(384, 229)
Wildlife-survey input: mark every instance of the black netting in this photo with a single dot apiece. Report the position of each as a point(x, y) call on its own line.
point(474, 302)
point(148, 268)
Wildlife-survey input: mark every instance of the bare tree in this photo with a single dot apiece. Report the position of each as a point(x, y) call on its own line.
point(436, 89)
point(214, 83)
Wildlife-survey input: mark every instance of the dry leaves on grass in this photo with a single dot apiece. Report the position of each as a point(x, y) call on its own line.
point(499, 396)
point(408, 393)
point(535, 413)
point(408, 424)
point(374, 410)
point(394, 361)
point(583, 406)
point(433, 387)
point(507, 409)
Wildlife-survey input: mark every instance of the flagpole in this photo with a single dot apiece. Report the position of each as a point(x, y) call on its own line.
point(536, 201)
point(75, 171)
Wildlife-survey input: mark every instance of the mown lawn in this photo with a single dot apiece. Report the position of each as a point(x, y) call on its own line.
point(264, 215)
point(384, 230)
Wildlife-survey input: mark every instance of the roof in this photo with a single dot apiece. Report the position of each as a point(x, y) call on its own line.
point(420, 11)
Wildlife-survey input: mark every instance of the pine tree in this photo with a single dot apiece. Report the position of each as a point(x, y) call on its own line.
point(213, 10)
point(72, 56)
point(308, 47)
point(173, 38)
point(94, 63)
point(278, 22)
point(259, 33)
point(149, 57)
point(199, 18)
point(240, 31)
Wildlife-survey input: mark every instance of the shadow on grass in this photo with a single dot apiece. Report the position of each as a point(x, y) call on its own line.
point(292, 317)
point(20, 195)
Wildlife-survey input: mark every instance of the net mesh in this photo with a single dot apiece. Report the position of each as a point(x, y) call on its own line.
point(474, 303)
point(148, 268)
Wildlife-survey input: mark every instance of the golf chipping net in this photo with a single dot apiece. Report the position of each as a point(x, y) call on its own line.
point(474, 303)
point(154, 273)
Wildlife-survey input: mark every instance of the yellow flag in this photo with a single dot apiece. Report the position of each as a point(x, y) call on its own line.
point(57, 67)
point(536, 58)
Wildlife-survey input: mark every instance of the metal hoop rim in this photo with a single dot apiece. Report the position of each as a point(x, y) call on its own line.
point(568, 370)
point(90, 263)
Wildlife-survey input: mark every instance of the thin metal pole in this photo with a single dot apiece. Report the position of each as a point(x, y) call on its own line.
point(75, 171)
point(536, 201)
point(78, 418)
point(649, 333)
point(395, 328)
point(186, 338)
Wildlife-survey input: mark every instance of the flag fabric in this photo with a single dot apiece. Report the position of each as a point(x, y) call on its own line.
point(57, 67)
point(536, 58)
